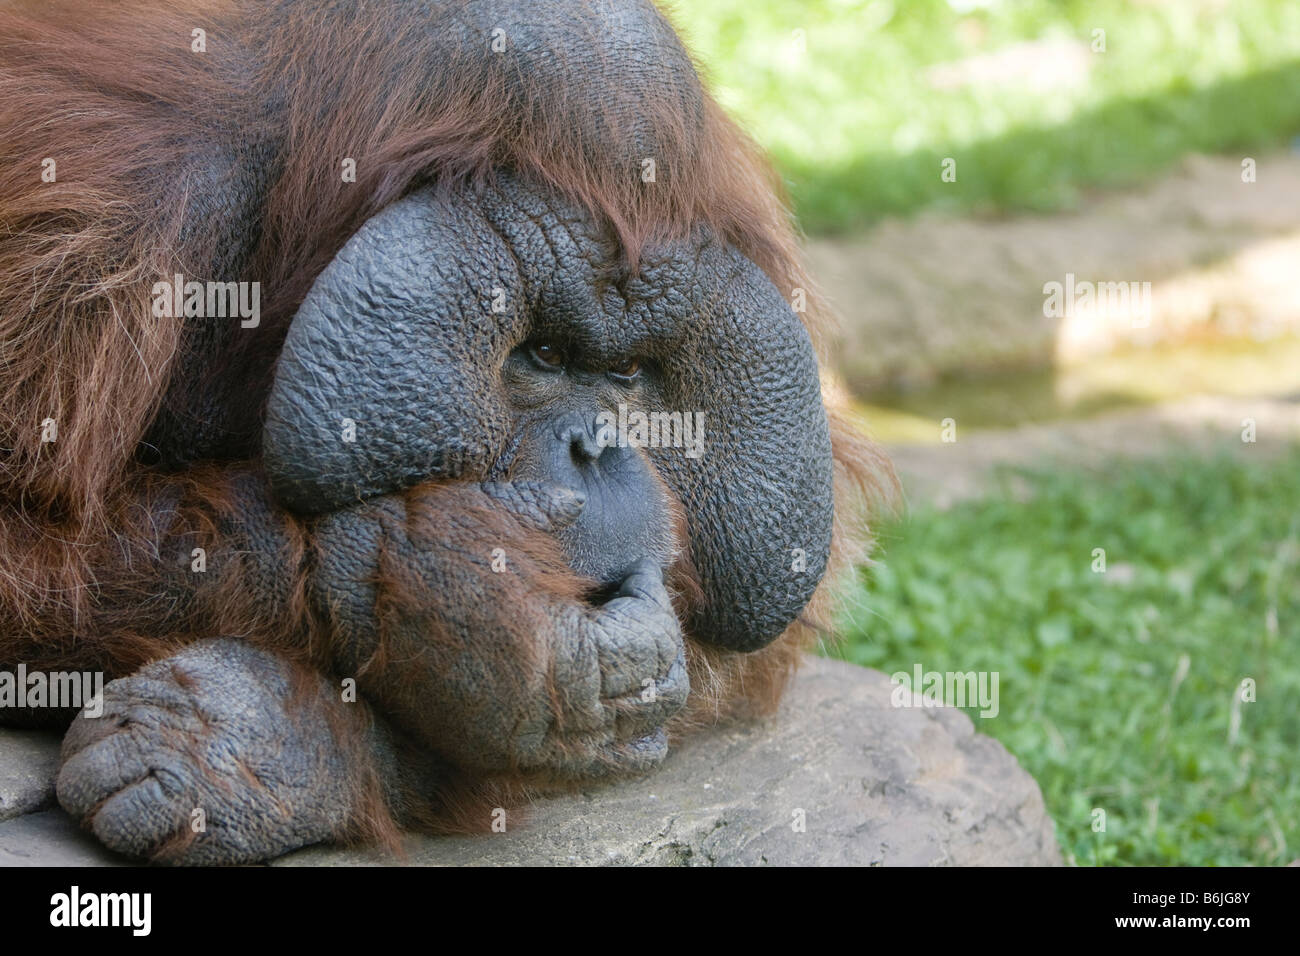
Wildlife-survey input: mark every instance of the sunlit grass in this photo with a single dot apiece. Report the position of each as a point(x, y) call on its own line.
point(837, 90)
point(1202, 560)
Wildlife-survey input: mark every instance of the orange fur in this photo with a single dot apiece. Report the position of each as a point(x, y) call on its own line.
point(112, 92)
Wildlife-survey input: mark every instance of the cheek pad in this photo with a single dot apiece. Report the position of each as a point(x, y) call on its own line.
point(399, 335)
point(759, 498)
point(390, 373)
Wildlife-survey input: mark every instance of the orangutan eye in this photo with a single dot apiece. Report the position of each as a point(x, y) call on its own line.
point(625, 369)
point(548, 355)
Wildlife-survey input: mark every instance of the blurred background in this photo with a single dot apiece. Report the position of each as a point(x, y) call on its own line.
point(1102, 477)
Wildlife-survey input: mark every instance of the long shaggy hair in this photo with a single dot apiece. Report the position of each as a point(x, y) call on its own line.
point(142, 130)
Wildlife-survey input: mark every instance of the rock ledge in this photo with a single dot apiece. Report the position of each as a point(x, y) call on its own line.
point(877, 786)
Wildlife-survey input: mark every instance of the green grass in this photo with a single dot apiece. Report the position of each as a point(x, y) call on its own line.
point(859, 132)
point(1203, 567)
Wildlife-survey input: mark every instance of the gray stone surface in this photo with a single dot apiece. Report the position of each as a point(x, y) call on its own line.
point(29, 760)
point(50, 838)
point(878, 785)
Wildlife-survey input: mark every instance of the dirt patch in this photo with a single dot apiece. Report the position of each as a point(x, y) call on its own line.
point(943, 474)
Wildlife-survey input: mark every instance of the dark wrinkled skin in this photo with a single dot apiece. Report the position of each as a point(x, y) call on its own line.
point(399, 335)
point(208, 729)
point(408, 303)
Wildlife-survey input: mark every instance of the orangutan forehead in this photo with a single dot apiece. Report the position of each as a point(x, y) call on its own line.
point(613, 72)
point(575, 280)
point(512, 261)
